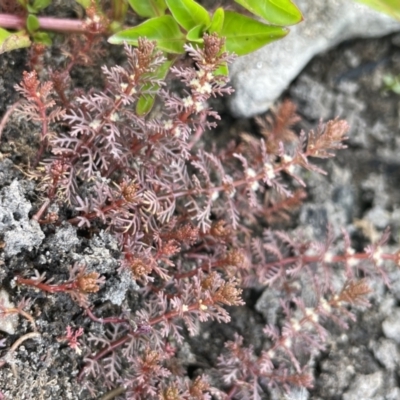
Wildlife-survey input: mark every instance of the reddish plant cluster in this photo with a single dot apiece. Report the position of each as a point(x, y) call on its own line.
point(189, 221)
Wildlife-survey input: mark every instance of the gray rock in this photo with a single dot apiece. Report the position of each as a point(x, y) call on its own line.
point(117, 287)
point(64, 239)
point(365, 387)
point(261, 77)
point(387, 353)
point(98, 256)
point(269, 304)
point(391, 326)
point(20, 232)
point(8, 323)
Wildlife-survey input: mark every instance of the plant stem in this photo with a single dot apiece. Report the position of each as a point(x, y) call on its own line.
point(18, 22)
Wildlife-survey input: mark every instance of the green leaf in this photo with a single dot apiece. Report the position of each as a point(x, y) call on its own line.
point(13, 41)
point(84, 3)
point(222, 70)
point(390, 7)
point(245, 35)
point(162, 29)
point(188, 13)
point(32, 23)
point(148, 8)
point(41, 4)
point(277, 12)
point(42, 37)
point(217, 21)
point(4, 35)
point(196, 34)
point(38, 5)
point(392, 83)
point(146, 101)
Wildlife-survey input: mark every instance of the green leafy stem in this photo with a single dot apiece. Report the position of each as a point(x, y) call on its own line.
point(172, 23)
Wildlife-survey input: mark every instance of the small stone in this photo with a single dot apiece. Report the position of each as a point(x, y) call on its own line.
point(8, 323)
point(364, 386)
point(386, 352)
point(391, 326)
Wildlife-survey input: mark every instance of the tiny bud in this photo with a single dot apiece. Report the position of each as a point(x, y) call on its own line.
point(89, 283)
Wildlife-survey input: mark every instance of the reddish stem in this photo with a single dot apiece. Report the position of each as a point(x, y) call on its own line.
point(17, 22)
point(63, 287)
point(109, 320)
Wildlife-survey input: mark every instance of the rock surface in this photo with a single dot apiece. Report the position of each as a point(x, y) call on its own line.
point(261, 77)
point(20, 232)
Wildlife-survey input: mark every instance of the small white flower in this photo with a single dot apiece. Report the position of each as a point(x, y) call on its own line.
point(95, 124)
point(287, 342)
point(269, 171)
point(215, 195)
point(377, 256)
point(295, 324)
point(310, 312)
point(352, 261)
point(210, 76)
point(187, 101)
point(114, 117)
point(200, 73)
point(328, 257)
point(205, 89)
point(252, 174)
point(177, 132)
point(286, 159)
point(168, 124)
point(199, 106)
point(194, 83)
point(255, 186)
point(350, 251)
point(202, 306)
point(325, 305)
